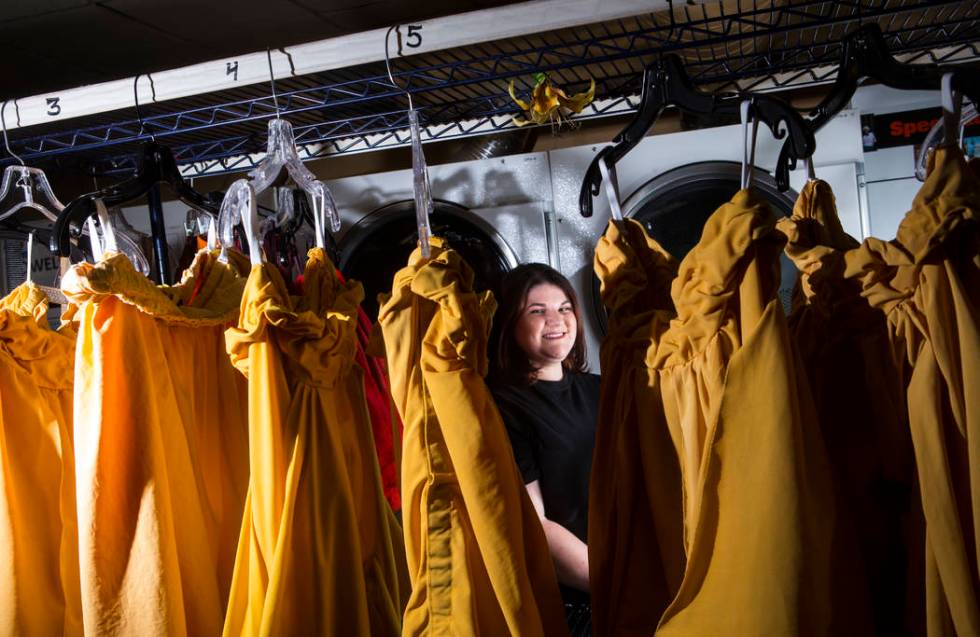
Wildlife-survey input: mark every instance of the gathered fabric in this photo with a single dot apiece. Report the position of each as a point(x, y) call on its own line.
point(161, 446)
point(319, 552)
point(926, 282)
point(757, 497)
point(636, 549)
point(477, 555)
point(858, 395)
point(39, 592)
point(384, 420)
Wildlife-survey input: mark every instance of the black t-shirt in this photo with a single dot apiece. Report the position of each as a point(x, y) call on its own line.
point(552, 429)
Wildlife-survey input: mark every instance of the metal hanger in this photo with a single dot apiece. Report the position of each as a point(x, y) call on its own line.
point(666, 83)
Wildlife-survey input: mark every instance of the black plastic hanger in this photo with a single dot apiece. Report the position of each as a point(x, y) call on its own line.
point(157, 166)
point(666, 83)
point(864, 54)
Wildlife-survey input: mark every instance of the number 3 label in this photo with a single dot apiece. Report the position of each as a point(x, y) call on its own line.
point(54, 108)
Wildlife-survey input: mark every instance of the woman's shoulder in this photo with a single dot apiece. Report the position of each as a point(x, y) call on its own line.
point(587, 379)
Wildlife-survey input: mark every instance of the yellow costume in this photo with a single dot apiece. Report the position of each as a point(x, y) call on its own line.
point(477, 555)
point(757, 501)
point(858, 396)
point(927, 283)
point(39, 593)
point(319, 552)
point(160, 445)
point(636, 549)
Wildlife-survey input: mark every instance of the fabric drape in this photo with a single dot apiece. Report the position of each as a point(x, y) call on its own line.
point(757, 505)
point(319, 549)
point(39, 591)
point(477, 555)
point(859, 400)
point(927, 283)
point(161, 446)
point(384, 421)
point(636, 550)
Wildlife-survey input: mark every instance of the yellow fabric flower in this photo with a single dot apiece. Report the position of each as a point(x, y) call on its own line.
point(549, 103)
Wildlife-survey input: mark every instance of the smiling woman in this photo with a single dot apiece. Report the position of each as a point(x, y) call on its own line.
point(549, 403)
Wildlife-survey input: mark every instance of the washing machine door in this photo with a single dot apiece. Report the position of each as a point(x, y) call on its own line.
point(675, 205)
point(380, 243)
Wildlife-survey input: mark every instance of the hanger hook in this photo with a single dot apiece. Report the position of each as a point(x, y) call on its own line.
point(136, 101)
point(30, 253)
point(6, 140)
point(272, 80)
point(388, 68)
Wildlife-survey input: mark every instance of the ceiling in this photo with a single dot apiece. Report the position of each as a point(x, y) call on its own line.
point(59, 44)
point(749, 45)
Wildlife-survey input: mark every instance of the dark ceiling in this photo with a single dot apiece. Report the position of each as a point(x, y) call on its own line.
point(57, 44)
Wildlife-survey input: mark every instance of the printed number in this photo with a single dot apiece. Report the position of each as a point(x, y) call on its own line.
point(413, 40)
point(54, 108)
point(231, 68)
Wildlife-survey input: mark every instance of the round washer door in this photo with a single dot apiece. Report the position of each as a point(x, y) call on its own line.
point(379, 245)
point(674, 206)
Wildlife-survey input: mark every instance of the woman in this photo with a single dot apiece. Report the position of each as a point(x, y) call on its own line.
point(549, 403)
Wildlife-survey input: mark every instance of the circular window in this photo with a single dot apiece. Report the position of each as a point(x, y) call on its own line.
point(674, 207)
point(378, 245)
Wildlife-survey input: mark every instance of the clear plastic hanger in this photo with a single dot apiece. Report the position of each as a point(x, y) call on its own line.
point(198, 222)
point(239, 205)
point(54, 294)
point(420, 172)
point(30, 254)
point(104, 238)
point(281, 152)
point(33, 180)
point(748, 142)
point(25, 187)
point(611, 183)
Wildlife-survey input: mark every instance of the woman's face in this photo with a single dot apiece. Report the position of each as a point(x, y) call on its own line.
point(547, 327)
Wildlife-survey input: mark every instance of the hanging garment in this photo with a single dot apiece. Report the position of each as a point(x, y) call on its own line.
point(320, 550)
point(857, 392)
point(385, 424)
point(927, 283)
point(39, 590)
point(161, 446)
point(477, 554)
point(757, 505)
point(636, 547)
point(384, 421)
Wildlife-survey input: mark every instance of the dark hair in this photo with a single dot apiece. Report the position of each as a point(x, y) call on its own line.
point(511, 364)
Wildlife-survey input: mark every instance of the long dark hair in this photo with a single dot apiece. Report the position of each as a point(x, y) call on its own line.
point(511, 364)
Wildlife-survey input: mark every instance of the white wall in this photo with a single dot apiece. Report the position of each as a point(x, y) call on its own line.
point(889, 173)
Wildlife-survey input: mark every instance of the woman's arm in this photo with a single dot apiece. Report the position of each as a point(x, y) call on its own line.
point(570, 554)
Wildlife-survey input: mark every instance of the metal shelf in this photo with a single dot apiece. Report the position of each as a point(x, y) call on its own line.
point(462, 91)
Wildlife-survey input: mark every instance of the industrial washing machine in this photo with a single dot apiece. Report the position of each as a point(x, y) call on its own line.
point(495, 212)
point(672, 183)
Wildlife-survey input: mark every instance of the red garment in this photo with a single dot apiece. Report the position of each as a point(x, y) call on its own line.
point(384, 419)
